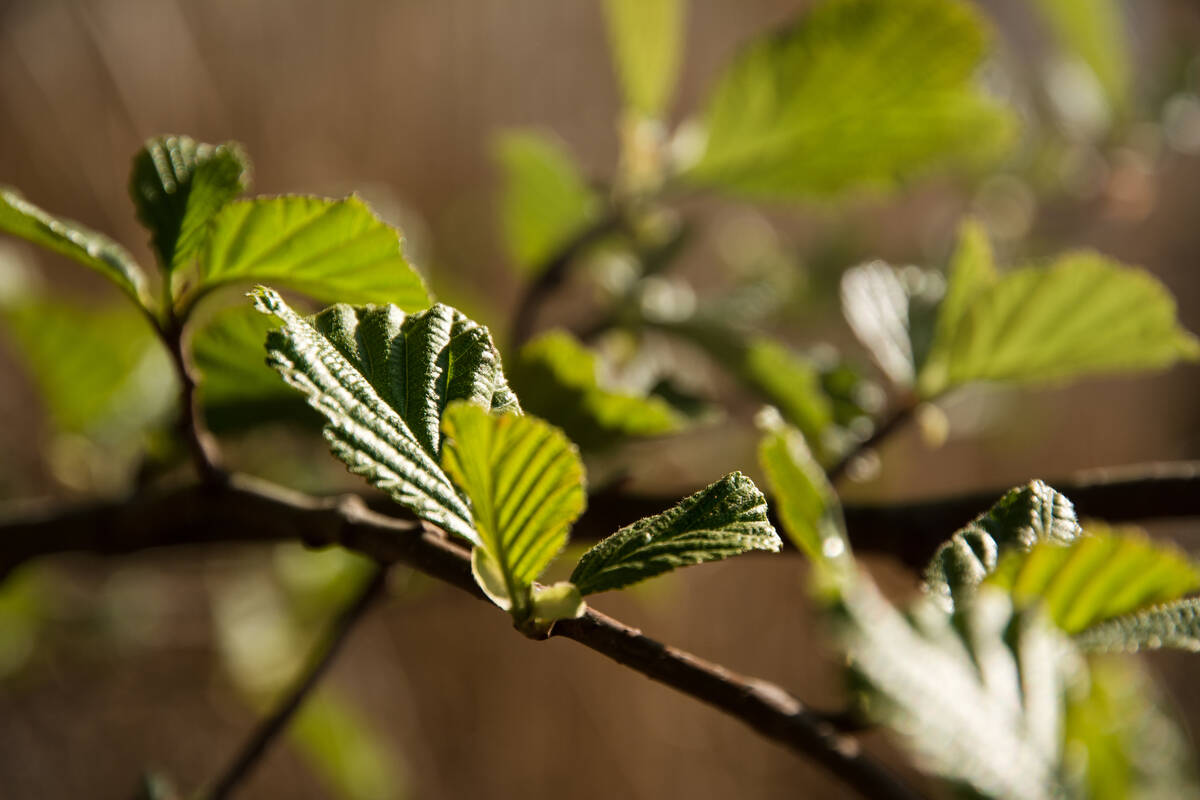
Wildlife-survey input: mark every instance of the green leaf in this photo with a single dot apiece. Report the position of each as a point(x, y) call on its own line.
point(1095, 577)
point(725, 519)
point(22, 218)
point(646, 37)
point(806, 502)
point(341, 745)
point(525, 483)
point(383, 379)
point(545, 200)
point(557, 379)
point(1082, 315)
point(1175, 625)
point(972, 269)
point(1094, 32)
point(859, 94)
point(100, 371)
point(1019, 520)
point(329, 249)
point(977, 696)
point(561, 600)
point(178, 185)
point(237, 387)
point(892, 312)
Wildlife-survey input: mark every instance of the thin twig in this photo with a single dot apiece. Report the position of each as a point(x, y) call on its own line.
point(200, 443)
point(270, 728)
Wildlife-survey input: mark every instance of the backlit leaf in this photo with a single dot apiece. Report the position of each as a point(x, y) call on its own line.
point(804, 499)
point(646, 38)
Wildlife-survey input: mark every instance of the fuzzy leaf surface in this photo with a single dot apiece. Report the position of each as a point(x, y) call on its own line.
point(178, 185)
point(725, 519)
point(825, 106)
point(1174, 625)
point(382, 379)
point(95, 250)
point(525, 483)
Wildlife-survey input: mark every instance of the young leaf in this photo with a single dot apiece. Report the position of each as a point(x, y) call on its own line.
point(807, 504)
point(726, 519)
point(1175, 625)
point(1093, 31)
point(892, 313)
point(557, 379)
point(1095, 577)
point(545, 200)
point(1023, 517)
point(1083, 314)
point(383, 379)
point(178, 185)
point(524, 481)
point(22, 218)
point(825, 106)
point(646, 37)
point(976, 696)
point(325, 248)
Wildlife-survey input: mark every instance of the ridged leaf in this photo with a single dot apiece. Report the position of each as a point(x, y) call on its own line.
point(892, 312)
point(383, 379)
point(725, 519)
point(1175, 625)
point(329, 249)
point(976, 696)
point(178, 185)
point(804, 499)
point(525, 483)
point(646, 38)
point(545, 199)
point(95, 250)
point(858, 94)
point(1019, 520)
point(1095, 577)
point(558, 379)
point(1083, 314)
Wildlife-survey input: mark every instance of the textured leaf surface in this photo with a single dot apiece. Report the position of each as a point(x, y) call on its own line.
point(725, 519)
point(1175, 625)
point(557, 378)
point(383, 379)
point(892, 312)
point(525, 483)
point(646, 38)
point(825, 106)
point(976, 697)
point(545, 199)
point(807, 504)
point(1019, 520)
point(178, 185)
point(1095, 577)
point(22, 218)
point(1084, 314)
point(329, 249)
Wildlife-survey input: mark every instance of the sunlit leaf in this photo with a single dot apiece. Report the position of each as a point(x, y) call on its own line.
point(525, 483)
point(22, 218)
point(725, 519)
point(892, 312)
point(382, 379)
point(859, 94)
point(545, 201)
point(178, 185)
point(804, 499)
point(646, 38)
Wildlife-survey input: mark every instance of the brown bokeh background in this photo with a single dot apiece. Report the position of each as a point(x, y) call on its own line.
point(400, 100)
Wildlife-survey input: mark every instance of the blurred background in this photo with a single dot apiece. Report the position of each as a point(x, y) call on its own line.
point(161, 661)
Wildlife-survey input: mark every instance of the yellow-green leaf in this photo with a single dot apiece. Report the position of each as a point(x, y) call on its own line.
point(646, 38)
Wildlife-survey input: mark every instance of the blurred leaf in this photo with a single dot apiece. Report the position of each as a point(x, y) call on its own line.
point(557, 379)
point(859, 94)
point(330, 249)
point(22, 218)
point(1122, 741)
point(23, 612)
point(725, 519)
point(1095, 577)
point(524, 481)
point(1083, 314)
point(383, 379)
point(972, 270)
point(178, 185)
point(1094, 32)
point(892, 312)
point(977, 697)
point(100, 371)
point(646, 37)
point(804, 499)
point(545, 200)
point(1019, 520)
point(339, 743)
point(1175, 625)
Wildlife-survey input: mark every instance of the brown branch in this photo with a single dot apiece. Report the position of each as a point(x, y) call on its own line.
point(248, 510)
point(200, 443)
point(273, 725)
point(890, 425)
